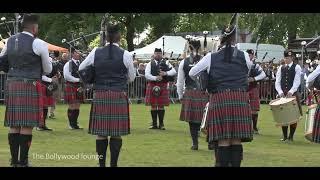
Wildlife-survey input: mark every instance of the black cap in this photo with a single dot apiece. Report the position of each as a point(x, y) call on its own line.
point(113, 28)
point(250, 51)
point(157, 50)
point(29, 19)
point(288, 53)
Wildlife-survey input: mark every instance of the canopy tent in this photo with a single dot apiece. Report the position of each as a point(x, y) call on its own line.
point(274, 52)
point(173, 44)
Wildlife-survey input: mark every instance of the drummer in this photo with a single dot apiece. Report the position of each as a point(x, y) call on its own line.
point(287, 83)
point(314, 81)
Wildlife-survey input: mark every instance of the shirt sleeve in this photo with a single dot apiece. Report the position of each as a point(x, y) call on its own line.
point(41, 48)
point(128, 62)
point(297, 80)
point(202, 65)
point(89, 60)
point(262, 75)
point(148, 74)
point(312, 76)
point(46, 79)
point(172, 72)
point(278, 81)
point(67, 74)
point(180, 80)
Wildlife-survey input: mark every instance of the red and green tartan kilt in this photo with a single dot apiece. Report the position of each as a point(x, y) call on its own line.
point(163, 99)
point(254, 98)
point(109, 115)
point(229, 116)
point(192, 105)
point(48, 101)
point(24, 104)
point(316, 126)
point(70, 93)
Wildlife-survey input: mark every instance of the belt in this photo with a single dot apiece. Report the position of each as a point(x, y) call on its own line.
point(22, 79)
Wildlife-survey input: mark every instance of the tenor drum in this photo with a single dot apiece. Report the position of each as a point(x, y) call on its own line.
point(285, 111)
point(204, 126)
point(308, 126)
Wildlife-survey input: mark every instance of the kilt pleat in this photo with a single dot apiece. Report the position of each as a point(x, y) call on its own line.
point(316, 126)
point(162, 100)
point(254, 99)
point(229, 116)
point(48, 101)
point(24, 104)
point(192, 105)
point(70, 93)
point(109, 115)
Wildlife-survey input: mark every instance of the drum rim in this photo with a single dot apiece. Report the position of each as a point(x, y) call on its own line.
point(272, 101)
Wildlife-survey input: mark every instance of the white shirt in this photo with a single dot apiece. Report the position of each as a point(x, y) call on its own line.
point(296, 81)
point(150, 77)
point(127, 61)
point(40, 48)
point(205, 63)
point(312, 76)
point(67, 74)
point(46, 79)
point(262, 75)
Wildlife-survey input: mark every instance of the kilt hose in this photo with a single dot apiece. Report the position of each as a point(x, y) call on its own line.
point(316, 126)
point(109, 115)
point(192, 105)
point(48, 101)
point(254, 98)
point(163, 99)
point(70, 93)
point(229, 116)
point(24, 104)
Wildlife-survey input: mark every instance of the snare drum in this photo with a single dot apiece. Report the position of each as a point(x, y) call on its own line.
point(285, 111)
point(308, 126)
point(204, 126)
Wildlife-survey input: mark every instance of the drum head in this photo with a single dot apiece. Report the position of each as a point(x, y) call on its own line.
point(280, 101)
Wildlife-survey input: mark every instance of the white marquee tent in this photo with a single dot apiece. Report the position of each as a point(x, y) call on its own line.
point(173, 44)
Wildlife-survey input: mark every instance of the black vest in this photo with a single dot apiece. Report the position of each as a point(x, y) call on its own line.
point(227, 75)
point(23, 62)
point(110, 74)
point(287, 77)
point(155, 69)
point(190, 84)
point(74, 68)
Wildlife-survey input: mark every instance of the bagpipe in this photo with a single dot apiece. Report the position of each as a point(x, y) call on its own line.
point(163, 66)
point(87, 75)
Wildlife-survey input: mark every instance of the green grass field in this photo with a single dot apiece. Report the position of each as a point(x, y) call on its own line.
point(155, 148)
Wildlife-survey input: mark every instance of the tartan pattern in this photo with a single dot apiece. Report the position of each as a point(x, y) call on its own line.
point(24, 104)
point(192, 105)
point(70, 93)
point(48, 101)
point(162, 100)
point(109, 115)
point(316, 126)
point(254, 99)
point(229, 116)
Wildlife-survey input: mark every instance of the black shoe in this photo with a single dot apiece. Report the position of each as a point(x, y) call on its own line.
point(283, 139)
point(75, 127)
point(290, 139)
point(25, 164)
point(51, 116)
point(194, 147)
point(45, 128)
point(256, 132)
point(40, 129)
point(153, 127)
point(162, 127)
point(14, 164)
